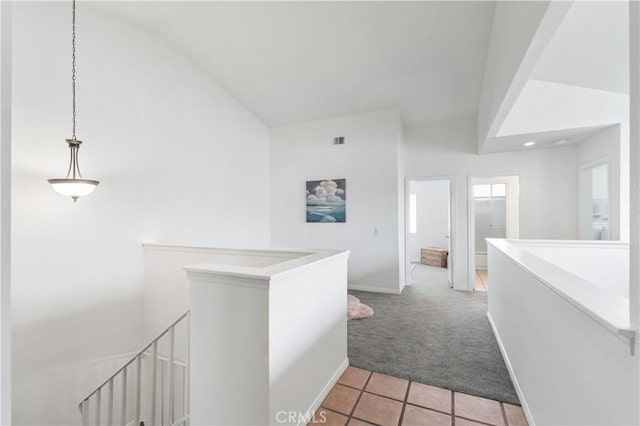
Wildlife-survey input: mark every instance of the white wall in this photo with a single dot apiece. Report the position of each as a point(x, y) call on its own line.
point(548, 182)
point(544, 106)
point(166, 291)
point(179, 160)
point(5, 213)
point(432, 214)
point(521, 31)
point(288, 344)
point(634, 159)
point(568, 344)
point(605, 145)
point(369, 162)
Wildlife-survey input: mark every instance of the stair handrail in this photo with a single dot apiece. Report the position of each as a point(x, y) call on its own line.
point(133, 358)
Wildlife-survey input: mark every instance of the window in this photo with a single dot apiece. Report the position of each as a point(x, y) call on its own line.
point(481, 191)
point(413, 216)
point(499, 190)
point(486, 190)
point(600, 202)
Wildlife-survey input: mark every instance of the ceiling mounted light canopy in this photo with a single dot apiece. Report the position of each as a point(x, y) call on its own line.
point(73, 185)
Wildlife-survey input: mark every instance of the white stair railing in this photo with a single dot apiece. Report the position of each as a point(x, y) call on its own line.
point(159, 393)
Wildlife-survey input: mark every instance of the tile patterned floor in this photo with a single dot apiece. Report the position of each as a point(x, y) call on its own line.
point(362, 398)
point(482, 280)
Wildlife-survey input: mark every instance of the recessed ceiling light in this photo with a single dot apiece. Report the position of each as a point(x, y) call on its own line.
point(561, 141)
point(529, 143)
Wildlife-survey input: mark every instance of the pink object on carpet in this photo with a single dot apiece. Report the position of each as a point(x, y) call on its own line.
point(357, 310)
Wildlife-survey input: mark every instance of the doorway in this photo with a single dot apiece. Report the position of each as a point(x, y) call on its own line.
point(493, 213)
point(596, 221)
point(428, 230)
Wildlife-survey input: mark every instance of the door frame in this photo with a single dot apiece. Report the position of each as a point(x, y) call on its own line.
point(452, 224)
point(584, 193)
point(471, 223)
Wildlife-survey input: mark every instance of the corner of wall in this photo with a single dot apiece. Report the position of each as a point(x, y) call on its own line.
point(370, 161)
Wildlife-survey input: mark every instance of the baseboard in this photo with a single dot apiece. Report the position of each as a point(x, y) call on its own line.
point(516, 385)
point(372, 289)
point(327, 388)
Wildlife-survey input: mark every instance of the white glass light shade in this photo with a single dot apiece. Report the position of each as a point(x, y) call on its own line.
point(73, 188)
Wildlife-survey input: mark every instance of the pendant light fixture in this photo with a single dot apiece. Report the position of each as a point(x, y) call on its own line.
point(73, 185)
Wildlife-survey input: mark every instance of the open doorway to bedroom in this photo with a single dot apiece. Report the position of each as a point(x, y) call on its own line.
point(429, 228)
point(494, 213)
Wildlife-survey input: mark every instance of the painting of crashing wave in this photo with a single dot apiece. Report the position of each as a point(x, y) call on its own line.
point(327, 201)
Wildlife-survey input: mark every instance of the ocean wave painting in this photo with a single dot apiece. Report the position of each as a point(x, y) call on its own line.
point(327, 201)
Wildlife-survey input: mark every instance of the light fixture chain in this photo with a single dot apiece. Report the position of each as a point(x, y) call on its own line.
point(73, 185)
point(73, 64)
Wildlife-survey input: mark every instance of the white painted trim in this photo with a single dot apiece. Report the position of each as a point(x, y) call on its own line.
point(267, 252)
point(373, 289)
point(327, 388)
point(211, 277)
point(514, 380)
point(271, 273)
point(609, 244)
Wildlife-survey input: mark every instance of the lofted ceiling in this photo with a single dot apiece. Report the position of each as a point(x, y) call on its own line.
point(590, 49)
point(580, 84)
point(291, 62)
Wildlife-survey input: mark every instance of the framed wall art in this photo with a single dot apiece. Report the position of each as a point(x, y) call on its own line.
point(327, 201)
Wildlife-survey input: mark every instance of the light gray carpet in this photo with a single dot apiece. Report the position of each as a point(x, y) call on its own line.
point(434, 335)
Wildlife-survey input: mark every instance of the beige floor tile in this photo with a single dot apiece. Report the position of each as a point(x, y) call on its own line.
point(515, 415)
point(479, 283)
point(354, 377)
point(341, 399)
point(480, 409)
point(465, 422)
point(388, 386)
point(328, 418)
point(378, 410)
point(430, 397)
point(416, 416)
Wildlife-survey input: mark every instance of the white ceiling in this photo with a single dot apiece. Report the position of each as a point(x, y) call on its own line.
point(591, 48)
point(543, 140)
point(291, 62)
point(579, 86)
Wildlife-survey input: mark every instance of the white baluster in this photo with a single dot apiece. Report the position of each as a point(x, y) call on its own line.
point(162, 398)
point(172, 378)
point(123, 415)
point(154, 382)
point(85, 413)
point(187, 370)
point(98, 406)
point(138, 388)
point(110, 412)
